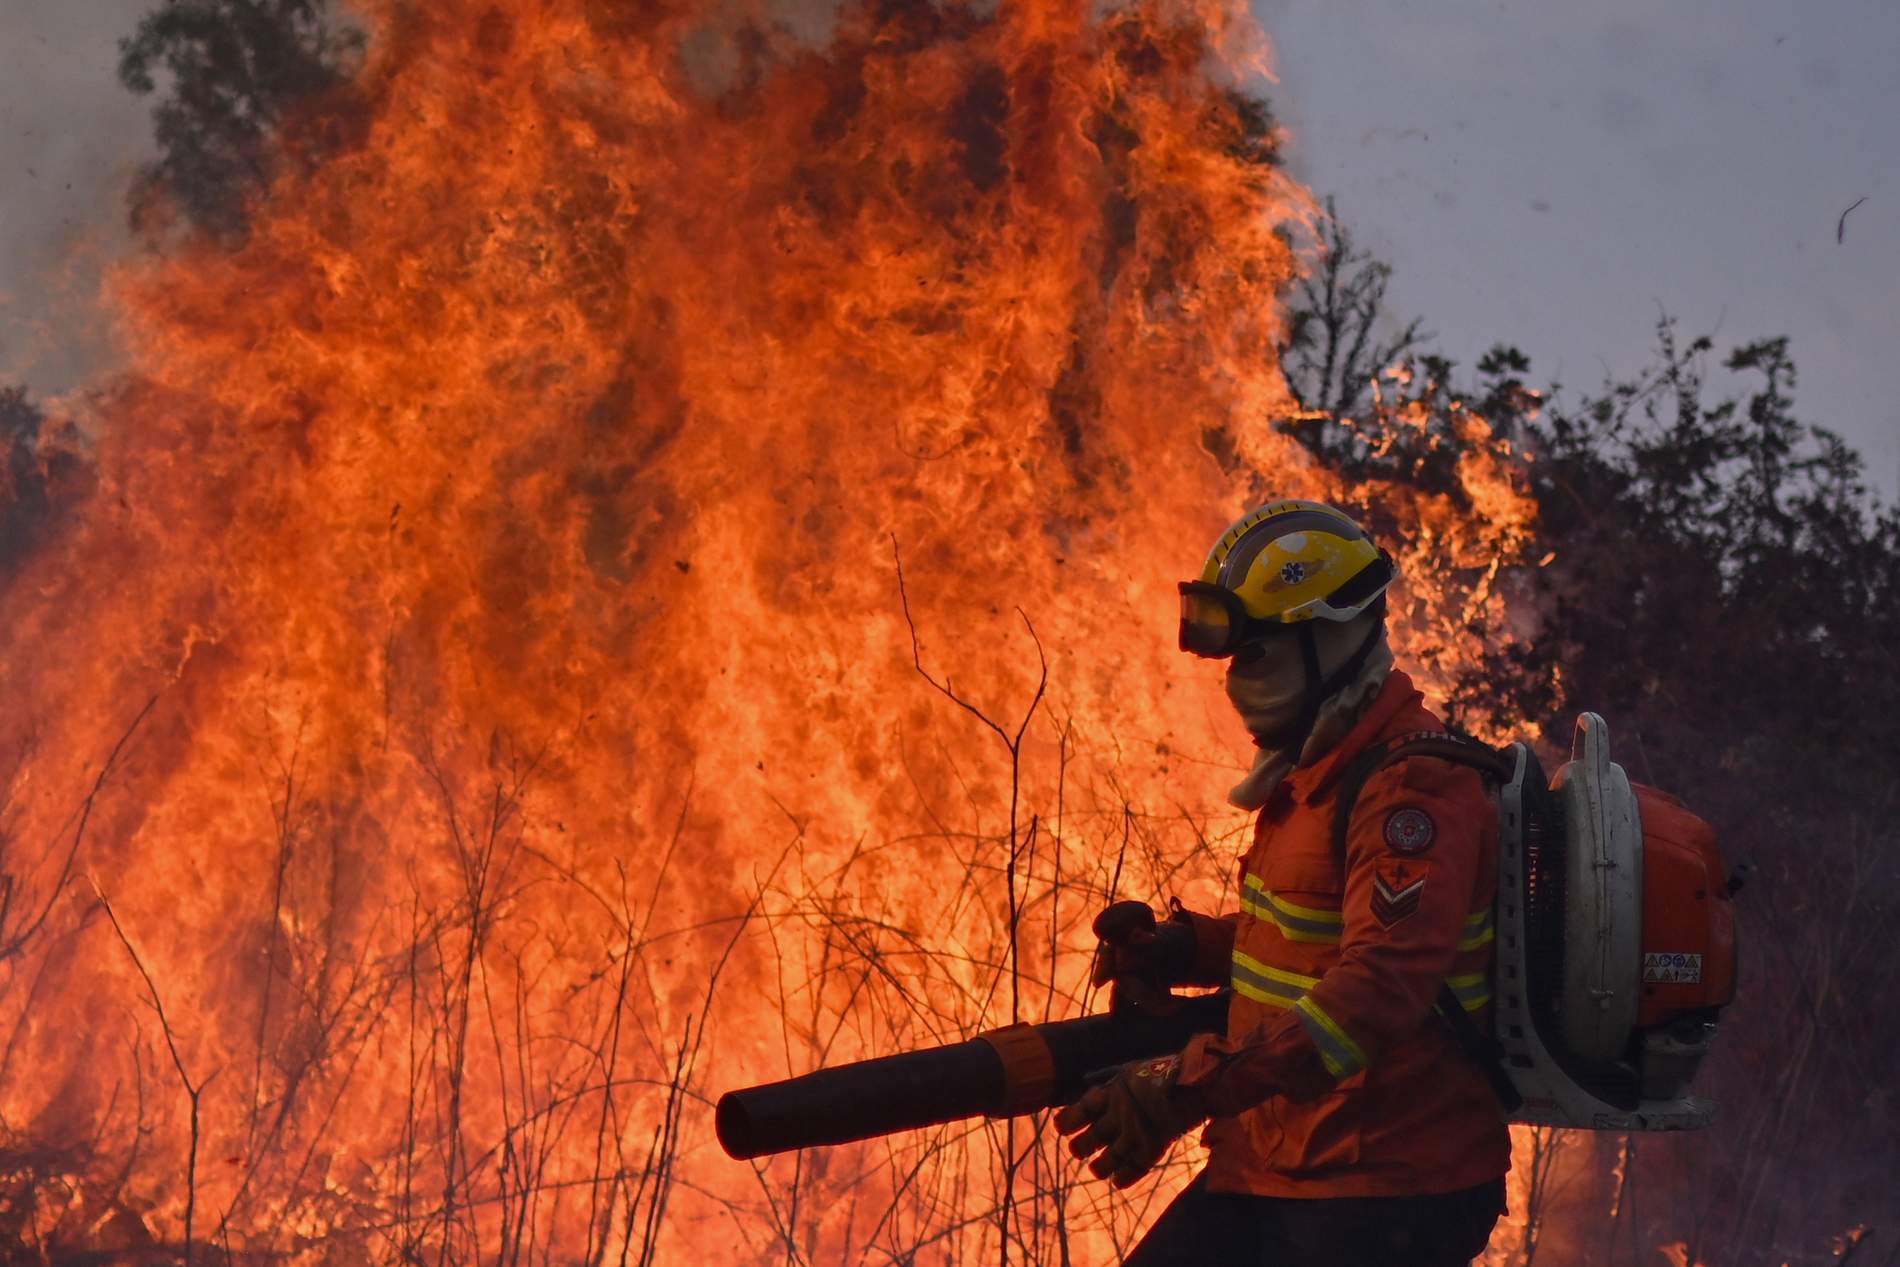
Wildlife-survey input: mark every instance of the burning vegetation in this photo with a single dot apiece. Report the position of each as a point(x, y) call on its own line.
point(642, 561)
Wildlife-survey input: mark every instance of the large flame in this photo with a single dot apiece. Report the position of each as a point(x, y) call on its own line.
point(478, 715)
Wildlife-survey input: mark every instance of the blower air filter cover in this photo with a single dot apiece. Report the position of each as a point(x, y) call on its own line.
point(1603, 909)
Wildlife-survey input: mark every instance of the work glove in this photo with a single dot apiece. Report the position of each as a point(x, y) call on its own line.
point(1139, 956)
point(1129, 1122)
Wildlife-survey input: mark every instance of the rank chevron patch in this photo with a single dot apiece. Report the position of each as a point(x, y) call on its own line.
point(1393, 900)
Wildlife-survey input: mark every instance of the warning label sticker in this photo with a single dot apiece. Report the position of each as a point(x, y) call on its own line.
point(1672, 968)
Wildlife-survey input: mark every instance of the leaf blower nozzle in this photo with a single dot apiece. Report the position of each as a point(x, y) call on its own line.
point(1000, 1073)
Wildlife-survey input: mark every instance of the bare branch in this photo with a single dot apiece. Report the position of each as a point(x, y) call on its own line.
point(193, 1090)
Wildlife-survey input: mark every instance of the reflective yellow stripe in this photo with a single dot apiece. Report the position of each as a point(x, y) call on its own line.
point(1281, 976)
point(1253, 901)
point(1341, 1055)
point(1316, 914)
point(1314, 925)
point(1308, 924)
point(1275, 987)
point(1473, 990)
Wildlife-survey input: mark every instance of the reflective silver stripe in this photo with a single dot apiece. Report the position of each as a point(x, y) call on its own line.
point(1274, 987)
point(1473, 990)
point(1315, 926)
point(1295, 922)
point(1341, 1055)
point(1480, 930)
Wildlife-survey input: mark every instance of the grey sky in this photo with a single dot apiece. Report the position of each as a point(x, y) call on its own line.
point(1541, 172)
point(1550, 173)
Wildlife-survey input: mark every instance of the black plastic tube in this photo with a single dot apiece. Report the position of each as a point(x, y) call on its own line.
point(944, 1084)
point(862, 1100)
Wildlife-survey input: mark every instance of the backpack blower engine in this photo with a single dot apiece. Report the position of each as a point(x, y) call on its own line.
point(1616, 943)
point(1615, 956)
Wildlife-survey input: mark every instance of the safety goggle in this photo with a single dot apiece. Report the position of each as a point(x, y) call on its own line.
point(1215, 625)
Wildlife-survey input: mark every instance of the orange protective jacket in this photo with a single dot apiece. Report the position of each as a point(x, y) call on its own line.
point(1335, 1078)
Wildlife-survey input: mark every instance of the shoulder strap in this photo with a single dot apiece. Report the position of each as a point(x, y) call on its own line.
point(1482, 1049)
point(1481, 757)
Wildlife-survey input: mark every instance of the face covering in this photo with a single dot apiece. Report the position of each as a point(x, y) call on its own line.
point(1268, 690)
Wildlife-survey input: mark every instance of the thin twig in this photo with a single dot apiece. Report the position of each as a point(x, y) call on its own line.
point(14, 942)
point(194, 1091)
point(1840, 226)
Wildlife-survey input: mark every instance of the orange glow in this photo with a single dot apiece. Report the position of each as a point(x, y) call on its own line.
point(505, 537)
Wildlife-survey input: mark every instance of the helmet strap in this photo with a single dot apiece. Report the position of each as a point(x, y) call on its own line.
point(1320, 688)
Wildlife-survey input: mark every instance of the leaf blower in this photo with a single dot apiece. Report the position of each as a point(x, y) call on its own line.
point(1615, 956)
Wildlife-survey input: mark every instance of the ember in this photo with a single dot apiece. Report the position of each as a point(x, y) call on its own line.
point(506, 538)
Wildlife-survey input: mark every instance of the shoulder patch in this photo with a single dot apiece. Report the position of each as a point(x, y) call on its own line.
point(1409, 830)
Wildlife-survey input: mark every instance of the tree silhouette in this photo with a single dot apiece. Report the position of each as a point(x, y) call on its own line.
point(23, 491)
point(1337, 335)
point(233, 73)
point(45, 470)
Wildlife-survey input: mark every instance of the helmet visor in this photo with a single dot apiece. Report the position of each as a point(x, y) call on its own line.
point(1213, 623)
point(1356, 595)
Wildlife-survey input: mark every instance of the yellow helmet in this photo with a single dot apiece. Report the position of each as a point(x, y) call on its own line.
point(1285, 563)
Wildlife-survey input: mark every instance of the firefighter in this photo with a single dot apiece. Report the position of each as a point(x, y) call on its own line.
point(1345, 1122)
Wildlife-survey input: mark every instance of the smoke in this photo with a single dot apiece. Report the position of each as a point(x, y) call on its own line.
point(71, 140)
